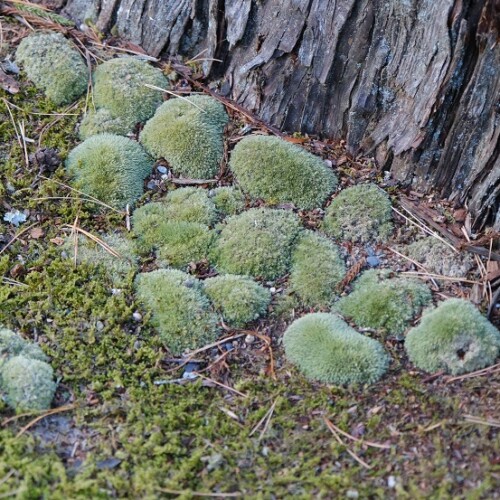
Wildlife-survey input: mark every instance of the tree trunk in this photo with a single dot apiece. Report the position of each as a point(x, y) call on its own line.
point(415, 83)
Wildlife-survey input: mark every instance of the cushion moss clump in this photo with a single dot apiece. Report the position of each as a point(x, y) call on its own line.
point(257, 243)
point(11, 344)
point(101, 122)
point(26, 379)
point(384, 304)
point(176, 243)
point(228, 200)
point(27, 383)
point(190, 204)
point(118, 267)
point(439, 258)
point(54, 66)
point(188, 133)
point(454, 337)
point(280, 172)
point(120, 96)
point(239, 298)
point(326, 348)
point(180, 311)
point(110, 168)
point(360, 214)
point(317, 269)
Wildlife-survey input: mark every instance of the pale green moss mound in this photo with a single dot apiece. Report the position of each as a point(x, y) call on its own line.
point(257, 243)
point(454, 337)
point(110, 168)
point(89, 252)
point(102, 122)
point(384, 304)
point(11, 344)
point(239, 298)
point(228, 200)
point(280, 172)
point(176, 243)
point(327, 349)
point(27, 384)
point(180, 311)
point(317, 269)
point(188, 133)
point(120, 96)
point(360, 214)
point(190, 204)
point(439, 258)
point(54, 66)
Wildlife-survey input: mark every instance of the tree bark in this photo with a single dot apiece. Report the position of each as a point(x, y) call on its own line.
point(415, 83)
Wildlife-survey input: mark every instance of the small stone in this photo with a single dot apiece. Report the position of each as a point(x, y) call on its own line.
point(162, 169)
point(100, 326)
point(151, 185)
point(352, 494)
point(373, 261)
point(137, 316)
point(272, 290)
point(249, 339)
point(391, 482)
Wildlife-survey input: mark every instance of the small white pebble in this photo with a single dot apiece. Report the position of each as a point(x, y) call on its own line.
point(137, 316)
point(272, 290)
point(391, 482)
point(99, 325)
point(249, 339)
point(352, 494)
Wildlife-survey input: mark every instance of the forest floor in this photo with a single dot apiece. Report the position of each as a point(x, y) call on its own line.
point(126, 424)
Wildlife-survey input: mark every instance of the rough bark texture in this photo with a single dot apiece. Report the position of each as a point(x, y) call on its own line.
point(413, 82)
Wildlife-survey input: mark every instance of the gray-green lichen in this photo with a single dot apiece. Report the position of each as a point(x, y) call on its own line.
point(454, 337)
point(277, 171)
point(326, 348)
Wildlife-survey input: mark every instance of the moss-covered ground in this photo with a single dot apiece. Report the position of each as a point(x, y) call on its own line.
point(127, 425)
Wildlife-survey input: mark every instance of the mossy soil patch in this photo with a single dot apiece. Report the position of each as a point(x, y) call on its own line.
point(131, 422)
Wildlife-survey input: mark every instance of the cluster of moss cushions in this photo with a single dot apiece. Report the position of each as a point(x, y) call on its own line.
point(454, 337)
point(177, 228)
point(121, 97)
point(326, 348)
point(54, 66)
point(26, 379)
point(382, 303)
point(188, 133)
point(239, 298)
point(110, 168)
point(183, 308)
point(360, 214)
point(257, 243)
point(317, 269)
point(277, 171)
point(118, 256)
